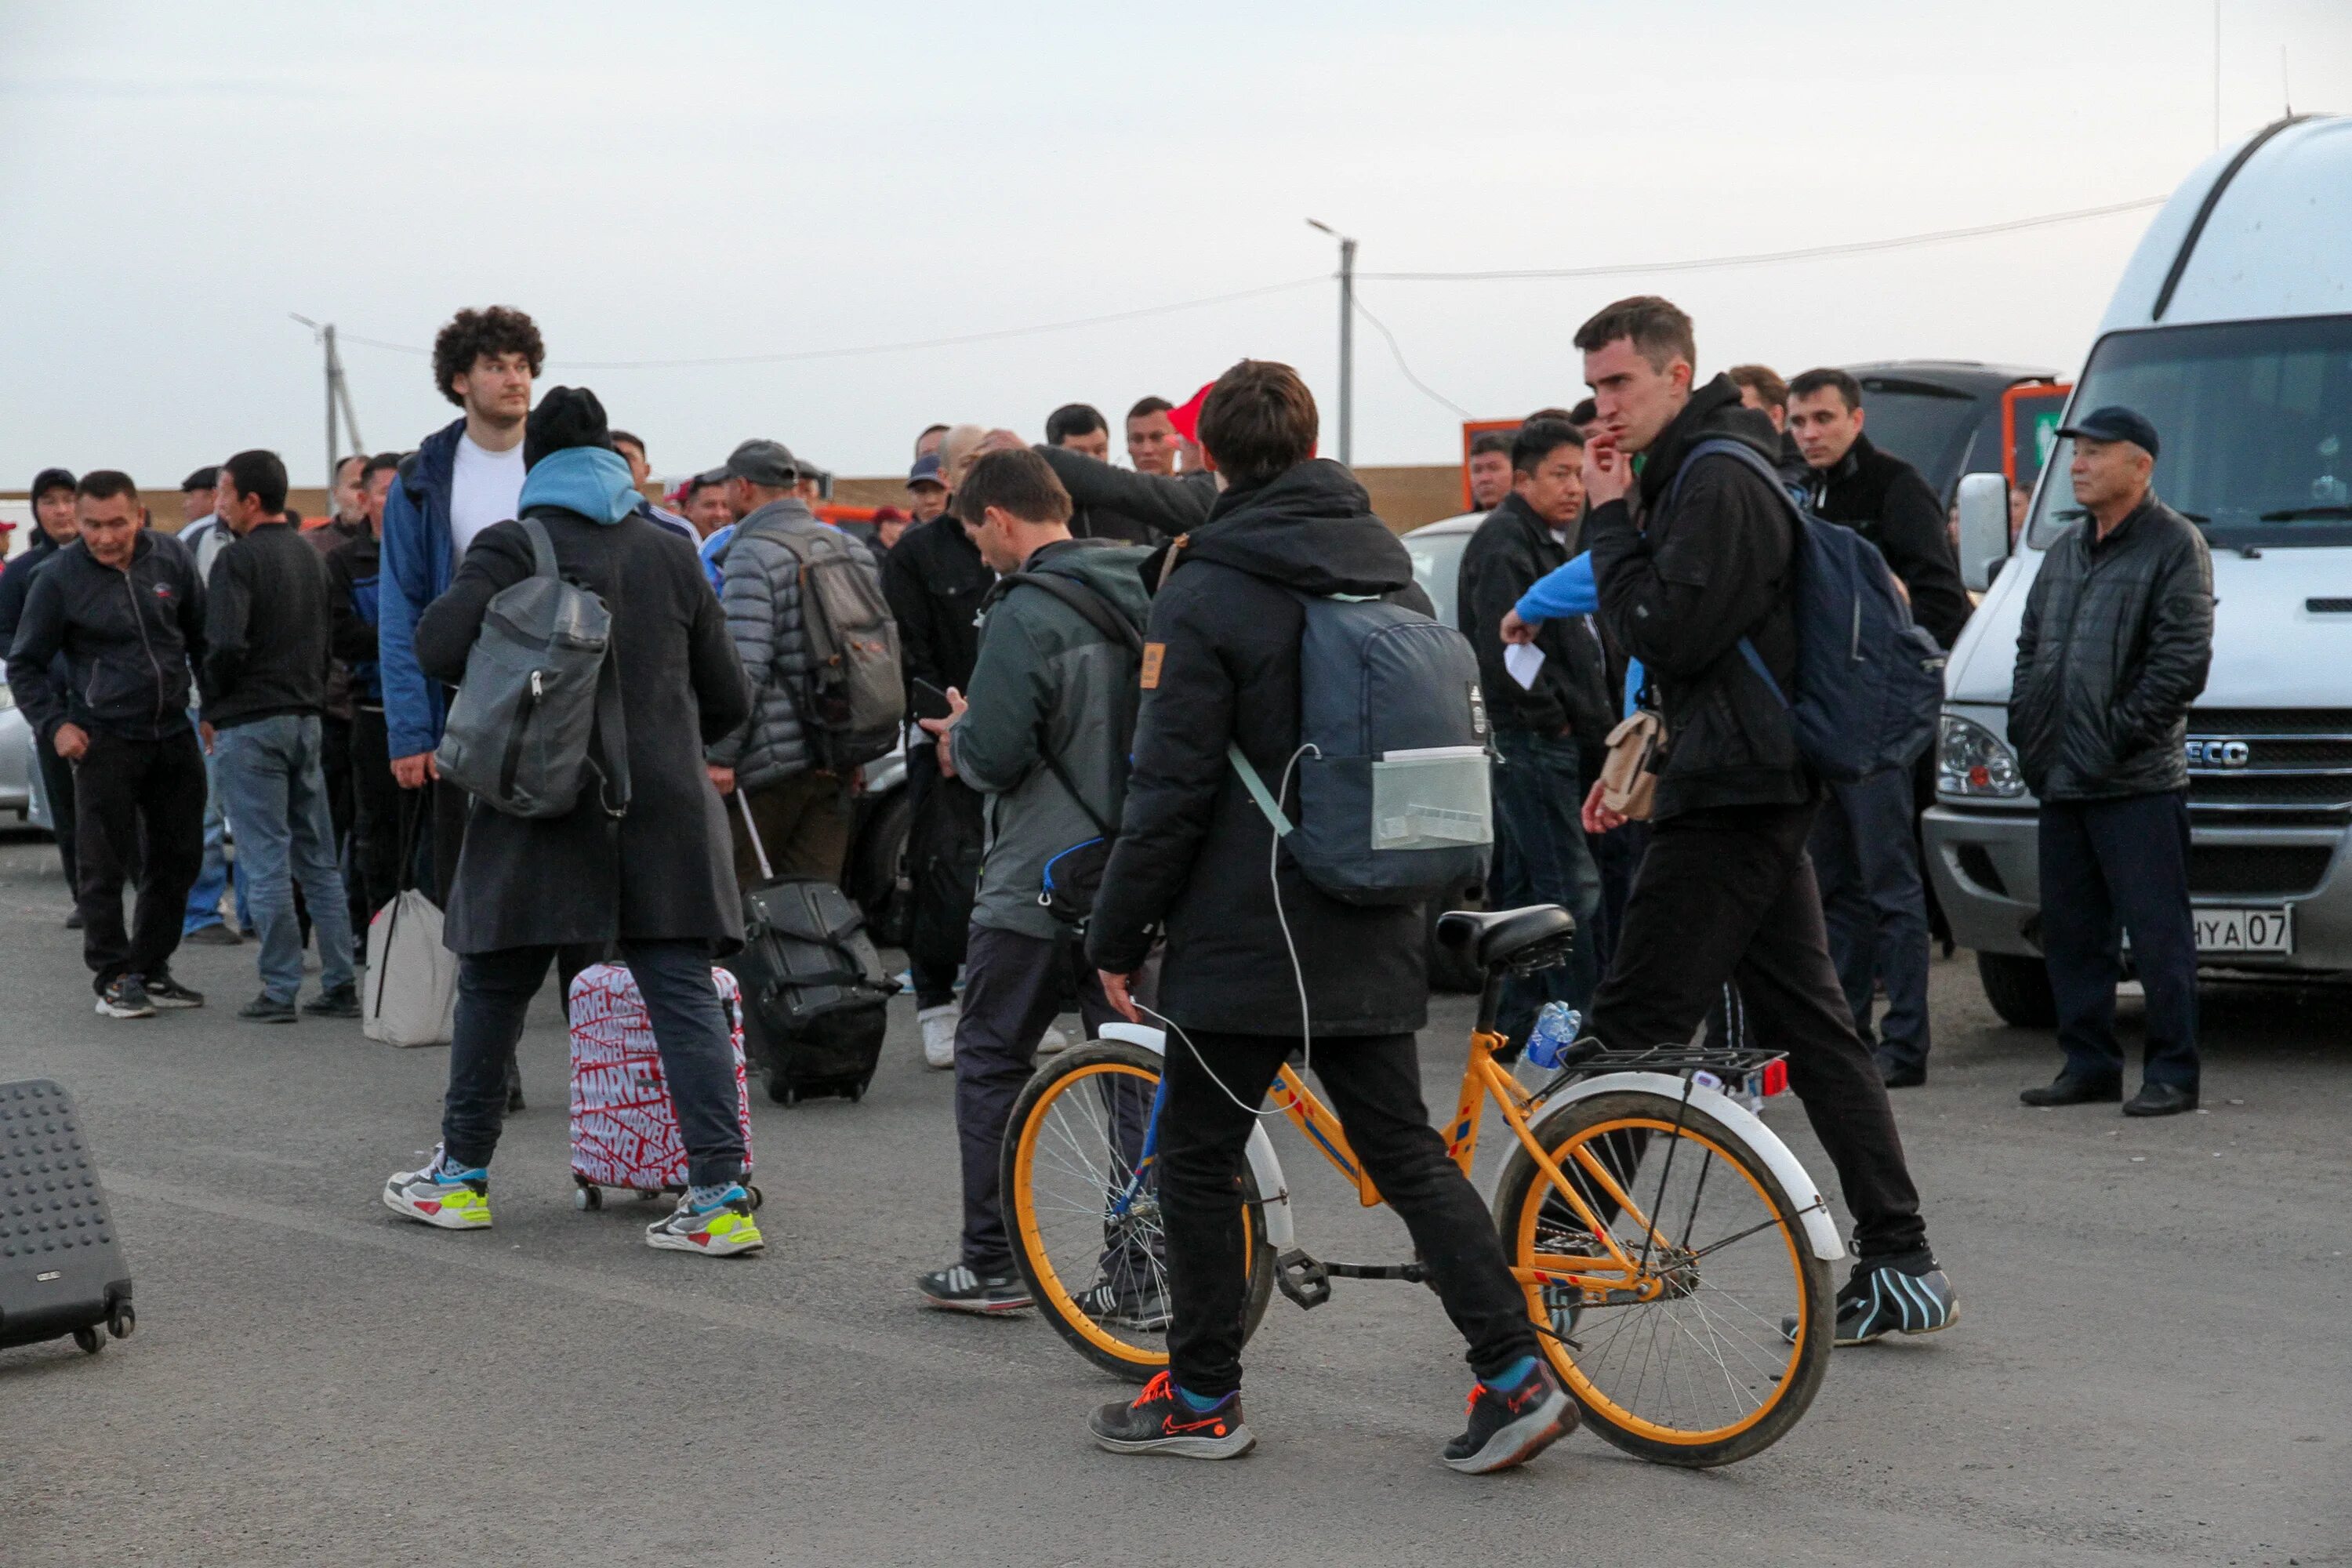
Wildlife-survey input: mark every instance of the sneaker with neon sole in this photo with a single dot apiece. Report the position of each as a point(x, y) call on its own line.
point(727, 1230)
point(439, 1196)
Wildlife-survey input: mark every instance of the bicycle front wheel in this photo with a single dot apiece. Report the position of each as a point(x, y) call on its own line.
point(1086, 1229)
point(1673, 1341)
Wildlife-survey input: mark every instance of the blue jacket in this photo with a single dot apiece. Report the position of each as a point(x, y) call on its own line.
point(415, 570)
point(1570, 590)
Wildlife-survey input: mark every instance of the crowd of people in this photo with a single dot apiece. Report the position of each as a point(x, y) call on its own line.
point(1098, 661)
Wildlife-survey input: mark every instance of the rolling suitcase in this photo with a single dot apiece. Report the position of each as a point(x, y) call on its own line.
point(815, 996)
point(62, 1269)
point(624, 1128)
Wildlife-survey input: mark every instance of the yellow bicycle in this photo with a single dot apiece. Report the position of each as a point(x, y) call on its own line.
point(1675, 1254)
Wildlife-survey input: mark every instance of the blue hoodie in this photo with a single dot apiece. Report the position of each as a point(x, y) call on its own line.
point(1570, 590)
point(593, 482)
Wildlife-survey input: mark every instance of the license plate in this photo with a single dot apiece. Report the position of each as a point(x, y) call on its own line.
point(2244, 931)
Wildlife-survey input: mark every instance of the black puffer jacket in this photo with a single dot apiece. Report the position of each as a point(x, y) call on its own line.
point(2114, 648)
point(128, 638)
point(1119, 503)
point(1882, 497)
point(1511, 549)
point(1222, 665)
point(1682, 582)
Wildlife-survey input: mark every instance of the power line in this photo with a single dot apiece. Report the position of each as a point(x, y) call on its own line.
point(909, 346)
point(1421, 386)
point(1764, 257)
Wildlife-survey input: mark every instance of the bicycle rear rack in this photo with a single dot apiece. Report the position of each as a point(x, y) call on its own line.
point(1307, 1279)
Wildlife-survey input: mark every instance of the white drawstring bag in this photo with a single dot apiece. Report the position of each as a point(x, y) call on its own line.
point(409, 995)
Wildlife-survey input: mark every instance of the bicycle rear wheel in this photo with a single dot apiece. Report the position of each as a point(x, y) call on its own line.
point(1684, 1361)
point(1087, 1235)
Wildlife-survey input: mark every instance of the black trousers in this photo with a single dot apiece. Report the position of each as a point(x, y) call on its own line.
point(1729, 895)
point(138, 804)
point(57, 784)
point(944, 847)
point(1374, 1084)
point(2110, 862)
point(373, 867)
point(336, 762)
point(1014, 989)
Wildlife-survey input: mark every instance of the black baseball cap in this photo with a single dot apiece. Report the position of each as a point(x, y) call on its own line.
point(2116, 422)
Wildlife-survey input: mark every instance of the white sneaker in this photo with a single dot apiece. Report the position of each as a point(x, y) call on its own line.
point(1053, 1043)
point(938, 1032)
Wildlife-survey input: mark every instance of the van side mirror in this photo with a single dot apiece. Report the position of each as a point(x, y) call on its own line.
point(1984, 528)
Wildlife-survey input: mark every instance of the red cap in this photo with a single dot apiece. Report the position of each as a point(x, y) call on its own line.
point(1187, 420)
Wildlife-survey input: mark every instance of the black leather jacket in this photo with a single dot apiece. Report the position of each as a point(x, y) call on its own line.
point(2115, 645)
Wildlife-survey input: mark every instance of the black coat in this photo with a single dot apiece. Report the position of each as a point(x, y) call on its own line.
point(1682, 582)
point(1222, 665)
point(1119, 503)
point(266, 629)
point(2113, 649)
point(935, 579)
point(665, 871)
point(1571, 694)
point(1882, 497)
point(128, 640)
point(16, 586)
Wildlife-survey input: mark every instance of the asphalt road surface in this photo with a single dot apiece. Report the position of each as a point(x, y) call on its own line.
point(2153, 1365)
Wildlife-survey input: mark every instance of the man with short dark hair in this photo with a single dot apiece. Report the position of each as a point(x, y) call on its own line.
point(927, 445)
point(123, 610)
point(1866, 847)
point(802, 807)
point(705, 501)
point(2115, 643)
point(1043, 734)
point(1761, 388)
point(1585, 415)
point(203, 536)
point(1079, 428)
point(1490, 468)
point(373, 867)
point(347, 521)
point(1151, 436)
point(197, 496)
point(1546, 730)
point(1222, 669)
point(1695, 561)
point(53, 529)
point(264, 681)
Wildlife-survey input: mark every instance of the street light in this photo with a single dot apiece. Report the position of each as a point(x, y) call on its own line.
point(1346, 341)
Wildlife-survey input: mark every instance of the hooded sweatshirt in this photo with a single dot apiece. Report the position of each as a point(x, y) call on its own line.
point(1222, 665)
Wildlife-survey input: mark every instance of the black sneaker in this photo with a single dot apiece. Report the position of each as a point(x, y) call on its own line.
point(125, 997)
point(74, 921)
point(1161, 1421)
point(263, 1009)
point(217, 934)
point(1511, 1425)
point(1886, 1298)
point(962, 1289)
point(1901, 1074)
point(343, 1002)
point(1140, 1305)
point(166, 991)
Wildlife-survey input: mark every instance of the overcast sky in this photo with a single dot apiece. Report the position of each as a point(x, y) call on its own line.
point(655, 181)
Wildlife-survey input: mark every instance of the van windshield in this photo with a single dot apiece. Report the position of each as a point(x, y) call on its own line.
point(2255, 418)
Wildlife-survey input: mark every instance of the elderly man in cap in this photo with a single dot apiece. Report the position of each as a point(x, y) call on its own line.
point(2118, 631)
point(802, 808)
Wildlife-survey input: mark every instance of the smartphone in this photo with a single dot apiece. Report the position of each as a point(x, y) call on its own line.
point(930, 702)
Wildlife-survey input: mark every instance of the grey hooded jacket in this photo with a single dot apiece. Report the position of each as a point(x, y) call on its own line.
point(760, 593)
point(1047, 678)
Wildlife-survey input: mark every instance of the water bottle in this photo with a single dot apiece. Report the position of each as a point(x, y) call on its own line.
point(1558, 1028)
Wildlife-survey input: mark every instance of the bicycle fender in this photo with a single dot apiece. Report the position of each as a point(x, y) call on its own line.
point(1820, 1229)
point(1266, 1165)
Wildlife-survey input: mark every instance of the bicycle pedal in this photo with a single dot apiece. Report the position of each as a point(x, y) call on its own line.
point(1303, 1279)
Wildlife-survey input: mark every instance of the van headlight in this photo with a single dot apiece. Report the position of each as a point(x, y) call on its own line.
point(1970, 760)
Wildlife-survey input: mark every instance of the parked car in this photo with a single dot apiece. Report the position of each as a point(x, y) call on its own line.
point(2232, 332)
point(1948, 417)
point(1436, 550)
point(16, 770)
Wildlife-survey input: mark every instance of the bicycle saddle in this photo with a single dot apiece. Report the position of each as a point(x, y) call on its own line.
point(1497, 936)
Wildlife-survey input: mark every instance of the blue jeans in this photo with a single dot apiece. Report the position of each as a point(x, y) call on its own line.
point(690, 1029)
point(212, 880)
point(1875, 908)
point(2111, 863)
point(1542, 858)
point(275, 790)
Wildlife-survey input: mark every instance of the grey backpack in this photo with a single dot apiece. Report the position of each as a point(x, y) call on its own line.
point(1392, 766)
point(541, 693)
point(855, 698)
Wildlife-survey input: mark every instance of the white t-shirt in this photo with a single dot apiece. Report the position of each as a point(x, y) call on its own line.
point(483, 489)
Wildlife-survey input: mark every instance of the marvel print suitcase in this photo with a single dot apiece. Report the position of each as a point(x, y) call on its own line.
point(624, 1129)
point(61, 1269)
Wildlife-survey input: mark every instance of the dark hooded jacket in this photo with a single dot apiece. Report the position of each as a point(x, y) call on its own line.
point(935, 580)
point(1222, 665)
point(1119, 503)
point(1882, 497)
point(1687, 565)
point(1571, 694)
point(125, 638)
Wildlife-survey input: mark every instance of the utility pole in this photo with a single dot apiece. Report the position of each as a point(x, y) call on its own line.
point(339, 396)
point(1347, 342)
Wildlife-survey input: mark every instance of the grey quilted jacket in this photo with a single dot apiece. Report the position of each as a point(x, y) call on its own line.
point(760, 592)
